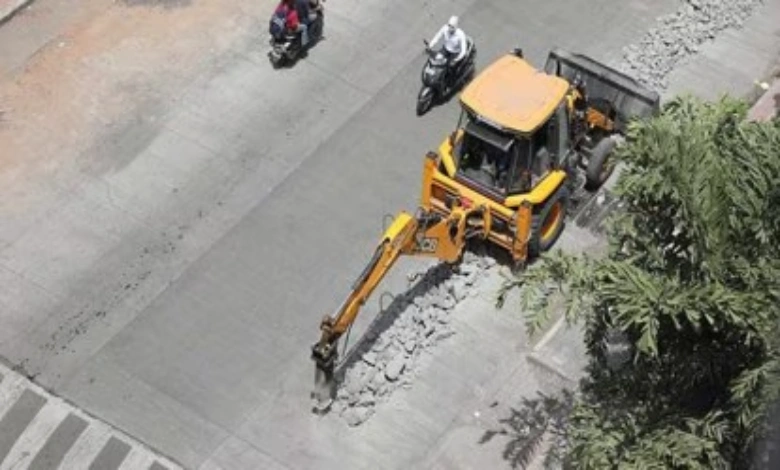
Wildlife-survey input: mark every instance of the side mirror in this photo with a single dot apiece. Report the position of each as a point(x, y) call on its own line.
point(518, 51)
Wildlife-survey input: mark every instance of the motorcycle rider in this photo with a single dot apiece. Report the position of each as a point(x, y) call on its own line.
point(455, 45)
point(285, 18)
point(304, 15)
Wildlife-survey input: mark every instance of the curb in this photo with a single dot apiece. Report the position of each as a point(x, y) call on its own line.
point(538, 360)
point(9, 8)
point(768, 105)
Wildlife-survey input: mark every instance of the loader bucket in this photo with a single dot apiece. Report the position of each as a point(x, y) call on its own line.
point(629, 98)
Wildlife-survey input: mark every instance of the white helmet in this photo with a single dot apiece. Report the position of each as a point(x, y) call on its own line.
point(453, 22)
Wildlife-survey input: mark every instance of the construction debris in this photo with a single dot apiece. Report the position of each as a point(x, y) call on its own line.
point(679, 35)
point(425, 321)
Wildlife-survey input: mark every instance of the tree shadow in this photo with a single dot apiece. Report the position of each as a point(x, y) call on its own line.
point(530, 425)
point(766, 454)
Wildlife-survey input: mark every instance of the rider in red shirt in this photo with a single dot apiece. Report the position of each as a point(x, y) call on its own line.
point(286, 13)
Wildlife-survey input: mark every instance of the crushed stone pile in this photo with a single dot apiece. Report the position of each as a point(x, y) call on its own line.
point(389, 362)
point(679, 35)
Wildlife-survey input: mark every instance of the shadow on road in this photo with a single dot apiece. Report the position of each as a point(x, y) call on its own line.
point(535, 425)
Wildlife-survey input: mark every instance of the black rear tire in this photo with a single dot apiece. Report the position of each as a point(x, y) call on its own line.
point(424, 100)
point(600, 167)
point(276, 63)
point(547, 224)
point(319, 28)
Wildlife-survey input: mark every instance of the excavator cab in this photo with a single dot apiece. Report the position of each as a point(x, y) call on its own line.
point(502, 163)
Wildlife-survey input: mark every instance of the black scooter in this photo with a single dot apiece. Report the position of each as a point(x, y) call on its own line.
point(289, 47)
point(439, 81)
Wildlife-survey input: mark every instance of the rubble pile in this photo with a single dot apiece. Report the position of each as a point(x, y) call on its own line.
point(424, 320)
point(679, 35)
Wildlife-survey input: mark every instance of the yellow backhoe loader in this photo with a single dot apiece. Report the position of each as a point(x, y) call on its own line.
point(504, 175)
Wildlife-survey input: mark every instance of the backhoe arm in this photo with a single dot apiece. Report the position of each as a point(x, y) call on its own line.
point(426, 234)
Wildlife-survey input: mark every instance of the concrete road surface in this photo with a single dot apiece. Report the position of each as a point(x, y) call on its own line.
point(170, 277)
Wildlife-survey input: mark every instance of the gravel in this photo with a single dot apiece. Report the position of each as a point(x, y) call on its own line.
point(677, 36)
point(423, 321)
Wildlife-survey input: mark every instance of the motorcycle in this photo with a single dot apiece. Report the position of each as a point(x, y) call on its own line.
point(438, 81)
point(288, 47)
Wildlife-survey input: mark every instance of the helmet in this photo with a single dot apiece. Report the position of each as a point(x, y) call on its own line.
point(453, 23)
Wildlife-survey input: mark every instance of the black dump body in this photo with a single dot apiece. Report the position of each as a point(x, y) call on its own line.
point(630, 99)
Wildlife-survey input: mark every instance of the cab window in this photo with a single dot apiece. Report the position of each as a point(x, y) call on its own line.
point(522, 180)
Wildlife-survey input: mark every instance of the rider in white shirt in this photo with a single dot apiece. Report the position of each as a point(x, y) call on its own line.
point(454, 41)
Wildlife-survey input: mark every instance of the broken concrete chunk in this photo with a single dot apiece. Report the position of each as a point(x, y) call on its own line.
point(353, 386)
point(367, 379)
point(367, 399)
point(358, 415)
point(469, 268)
point(381, 344)
point(444, 334)
point(417, 315)
point(377, 382)
point(472, 278)
point(338, 407)
point(422, 301)
point(389, 353)
point(359, 369)
point(394, 368)
point(445, 302)
point(458, 289)
point(369, 358)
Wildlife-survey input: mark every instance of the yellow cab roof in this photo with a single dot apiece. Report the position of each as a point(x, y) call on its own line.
point(513, 94)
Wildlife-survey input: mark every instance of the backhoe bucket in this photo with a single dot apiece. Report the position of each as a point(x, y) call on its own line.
point(630, 99)
point(324, 391)
point(324, 388)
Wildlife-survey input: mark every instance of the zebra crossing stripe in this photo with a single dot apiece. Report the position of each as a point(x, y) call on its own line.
point(16, 420)
point(40, 431)
point(87, 447)
point(35, 435)
point(111, 455)
point(59, 443)
point(158, 466)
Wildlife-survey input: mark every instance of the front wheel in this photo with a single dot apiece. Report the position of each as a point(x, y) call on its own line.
point(547, 224)
point(424, 100)
point(275, 58)
point(318, 27)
